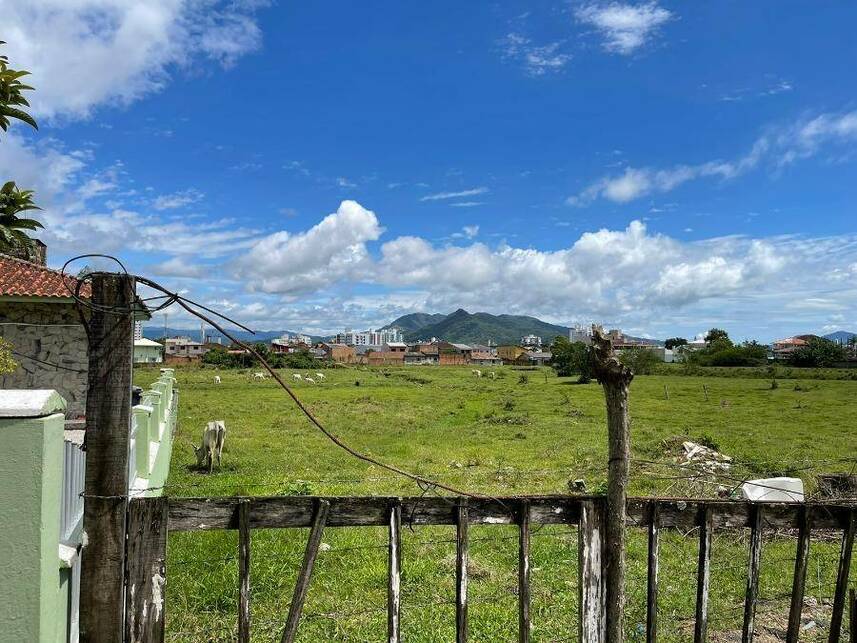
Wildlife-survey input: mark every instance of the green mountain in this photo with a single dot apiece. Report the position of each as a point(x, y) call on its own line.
point(475, 328)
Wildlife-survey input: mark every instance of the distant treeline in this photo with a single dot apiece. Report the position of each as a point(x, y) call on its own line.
point(222, 358)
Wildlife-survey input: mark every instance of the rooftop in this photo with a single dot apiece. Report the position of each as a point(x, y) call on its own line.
point(19, 278)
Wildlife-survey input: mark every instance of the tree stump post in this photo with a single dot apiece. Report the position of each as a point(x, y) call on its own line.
point(615, 378)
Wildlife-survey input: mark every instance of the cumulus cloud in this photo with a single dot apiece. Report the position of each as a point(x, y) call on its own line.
point(331, 251)
point(777, 148)
point(624, 27)
point(89, 52)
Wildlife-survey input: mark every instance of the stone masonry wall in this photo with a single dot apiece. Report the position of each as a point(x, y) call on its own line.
point(56, 337)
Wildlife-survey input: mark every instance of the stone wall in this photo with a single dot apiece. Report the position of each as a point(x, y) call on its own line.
point(57, 338)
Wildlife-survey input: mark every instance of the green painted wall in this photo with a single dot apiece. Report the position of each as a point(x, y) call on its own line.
point(32, 593)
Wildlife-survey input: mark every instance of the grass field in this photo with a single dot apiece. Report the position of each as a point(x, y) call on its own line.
point(525, 432)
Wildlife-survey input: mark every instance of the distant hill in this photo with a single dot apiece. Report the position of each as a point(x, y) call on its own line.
point(840, 336)
point(156, 332)
point(475, 328)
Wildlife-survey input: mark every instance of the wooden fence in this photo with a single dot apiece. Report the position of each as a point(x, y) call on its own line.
point(151, 519)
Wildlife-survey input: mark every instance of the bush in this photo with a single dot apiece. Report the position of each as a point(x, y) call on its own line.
point(571, 358)
point(818, 352)
point(641, 361)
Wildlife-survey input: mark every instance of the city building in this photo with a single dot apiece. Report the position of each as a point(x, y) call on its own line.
point(369, 337)
point(582, 334)
point(138, 330)
point(531, 341)
point(783, 348)
point(183, 348)
point(147, 351)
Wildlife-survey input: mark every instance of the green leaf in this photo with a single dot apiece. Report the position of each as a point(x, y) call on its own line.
point(20, 114)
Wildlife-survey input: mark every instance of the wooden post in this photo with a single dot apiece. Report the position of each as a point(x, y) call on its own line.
point(524, 574)
point(615, 379)
point(147, 573)
point(752, 592)
point(108, 427)
point(302, 582)
point(842, 580)
point(461, 555)
point(799, 581)
point(244, 570)
point(394, 577)
point(652, 578)
point(703, 578)
point(590, 549)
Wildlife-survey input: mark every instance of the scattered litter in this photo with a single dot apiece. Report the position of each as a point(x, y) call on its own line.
point(704, 457)
point(324, 547)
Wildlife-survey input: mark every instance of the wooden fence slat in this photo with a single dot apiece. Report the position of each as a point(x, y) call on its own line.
point(524, 574)
point(461, 556)
point(842, 581)
point(244, 571)
point(703, 578)
point(799, 582)
point(652, 577)
point(394, 576)
point(146, 573)
point(190, 514)
point(302, 583)
point(590, 550)
point(752, 592)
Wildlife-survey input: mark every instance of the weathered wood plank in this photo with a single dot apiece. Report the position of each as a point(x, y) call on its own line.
point(305, 574)
point(842, 581)
point(703, 578)
point(799, 581)
point(244, 571)
point(652, 576)
point(524, 574)
point(147, 550)
point(590, 547)
point(108, 429)
point(752, 592)
point(189, 514)
point(394, 575)
point(461, 558)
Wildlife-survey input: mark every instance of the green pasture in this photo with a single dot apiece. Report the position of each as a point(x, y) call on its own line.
point(523, 432)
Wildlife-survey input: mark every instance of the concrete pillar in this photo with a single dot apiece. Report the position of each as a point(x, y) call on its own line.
point(31, 472)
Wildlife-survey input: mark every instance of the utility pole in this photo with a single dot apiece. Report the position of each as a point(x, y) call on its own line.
point(615, 378)
point(108, 426)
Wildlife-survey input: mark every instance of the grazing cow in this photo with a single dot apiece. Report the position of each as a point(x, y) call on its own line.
point(258, 376)
point(309, 379)
point(217, 379)
point(493, 375)
point(297, 376)
point(213, 437)
point(320, 376)
point(477, 372)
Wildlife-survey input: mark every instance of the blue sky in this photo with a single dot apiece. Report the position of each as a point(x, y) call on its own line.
point(661, 167)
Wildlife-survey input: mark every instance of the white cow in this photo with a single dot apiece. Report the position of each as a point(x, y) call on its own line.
point(258, 376)
point(297, 376)
point(320, 376)
point(309, 379)
point(217, 379)
point(493, 375)
point(213, 436)
point(477, 372)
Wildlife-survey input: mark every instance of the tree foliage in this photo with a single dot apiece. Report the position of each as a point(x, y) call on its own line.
point(224, 359)
point(641, 361)
point(717, 335)
point(720, 351)
point(675, 342)
point(818, 352)
point(14, 201)
point(571, 358)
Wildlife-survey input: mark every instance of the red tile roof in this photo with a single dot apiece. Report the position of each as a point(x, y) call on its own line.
point(19, 278)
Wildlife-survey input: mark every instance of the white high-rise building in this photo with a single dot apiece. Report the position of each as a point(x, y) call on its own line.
point(581, 334)
point(138, 331)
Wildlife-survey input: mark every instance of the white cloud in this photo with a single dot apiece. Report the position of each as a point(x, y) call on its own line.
point(177, 199)
point(537, 60)
point(466, 204)
point(467, 232)
point(624, 27)
point(84, 53)
point(778, 147)
point(331, 251)
point(440, 196)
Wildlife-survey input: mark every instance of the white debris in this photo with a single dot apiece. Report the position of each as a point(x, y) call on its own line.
point(773, 490)
point(704, 458)
point(324, 547)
